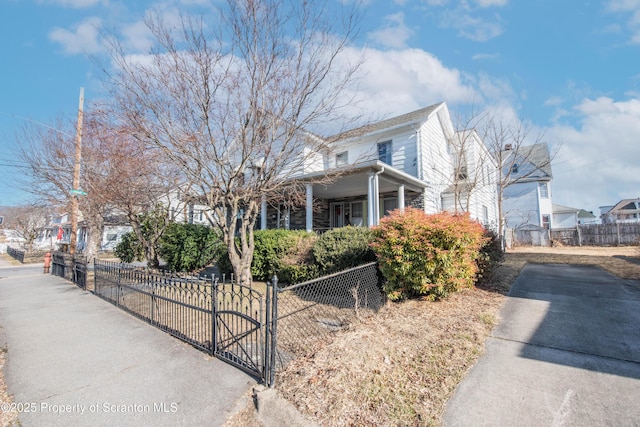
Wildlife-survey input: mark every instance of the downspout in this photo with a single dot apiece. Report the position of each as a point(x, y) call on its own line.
point(419, 155)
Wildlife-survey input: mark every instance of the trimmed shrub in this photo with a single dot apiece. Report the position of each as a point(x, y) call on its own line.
point(129, 249)
point(490, 256)
point(189, 247)
point(343, 248)
point(427, 255)
point(282, 252)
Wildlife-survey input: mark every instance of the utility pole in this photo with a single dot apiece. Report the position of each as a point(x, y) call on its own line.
point(76, 177)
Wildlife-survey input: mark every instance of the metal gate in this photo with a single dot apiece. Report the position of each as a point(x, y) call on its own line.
point(241, 328)
point(231, 321)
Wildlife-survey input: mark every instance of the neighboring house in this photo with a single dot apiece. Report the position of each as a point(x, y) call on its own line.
point(625, 211)
point(185, 210)
point(587, 217)
point(564, 217)
point(527, 199)
point(58, 233)
point(473, 179)
point(395, 163)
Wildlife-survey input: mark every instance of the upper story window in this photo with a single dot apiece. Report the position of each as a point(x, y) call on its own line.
point(384, 152)
point(342, 158)
point(544, 190)
point(514, 168)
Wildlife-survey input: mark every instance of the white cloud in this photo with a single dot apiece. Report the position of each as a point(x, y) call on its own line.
point(473, 27)
point(630, 11)
point(470, 17)
point(554, 101)
point(76, 4)
point(82, 39)
point(491, 3)
point(394, 34)
point(399, 81)
point(597, 162)
point(137, 36)
point(485, 56)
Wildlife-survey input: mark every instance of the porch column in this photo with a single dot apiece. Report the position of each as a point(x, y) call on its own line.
point(263, 213)
point(309, 208)
point(401, 197)
point(373, 202)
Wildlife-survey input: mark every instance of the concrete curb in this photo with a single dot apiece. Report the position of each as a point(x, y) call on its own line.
point(275, 411)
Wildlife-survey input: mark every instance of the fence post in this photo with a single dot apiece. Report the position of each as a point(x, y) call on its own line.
point(214, 310)
point(95, 277)
point(266, 368)
point(579, 235)
point(273, 331)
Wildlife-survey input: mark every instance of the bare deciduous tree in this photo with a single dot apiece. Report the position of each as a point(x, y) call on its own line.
point(136, 181)
point(512, 143)
point(229, 100)
point(49, 153)
point(28, 222)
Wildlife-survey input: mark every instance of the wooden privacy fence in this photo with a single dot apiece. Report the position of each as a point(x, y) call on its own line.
point(598, 235)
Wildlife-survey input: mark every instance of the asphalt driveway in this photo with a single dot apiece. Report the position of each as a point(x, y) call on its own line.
point(566, 352)
point(76, 360)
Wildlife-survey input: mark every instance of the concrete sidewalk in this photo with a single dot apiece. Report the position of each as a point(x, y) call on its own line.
point(566, 352)
point(76, 360)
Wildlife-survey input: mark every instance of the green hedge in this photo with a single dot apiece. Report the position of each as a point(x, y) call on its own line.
point(189, 247)
point(129, 249)
point(343, 248)
point(297, 256)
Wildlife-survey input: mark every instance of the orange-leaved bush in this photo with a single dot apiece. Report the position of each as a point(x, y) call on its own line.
point(427, 255)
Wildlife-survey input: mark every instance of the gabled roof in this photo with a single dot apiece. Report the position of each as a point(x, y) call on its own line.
point(622, 205)
point(564, 209)
point(585, 214)
point(535, 154)
point(404, 119)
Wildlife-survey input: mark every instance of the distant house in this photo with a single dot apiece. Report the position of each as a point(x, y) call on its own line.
point(625, 211)
point(564, 217)
point(527, 198)
point(58, 233)
point(408, 160)
point(587, 217)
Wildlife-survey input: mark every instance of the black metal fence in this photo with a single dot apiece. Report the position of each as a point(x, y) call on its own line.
point(26, 256)
point(15, 253)
point(223, 319)
point(70, 267)
point(257, 330)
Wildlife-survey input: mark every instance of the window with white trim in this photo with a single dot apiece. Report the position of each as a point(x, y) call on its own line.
point(342, 158)
point(388, 205)
point(384, 152)
point(544, 190)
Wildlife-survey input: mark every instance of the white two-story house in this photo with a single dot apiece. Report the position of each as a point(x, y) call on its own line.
point(527, 197)
point(408, 160)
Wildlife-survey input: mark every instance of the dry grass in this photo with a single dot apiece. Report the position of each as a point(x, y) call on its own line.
point(401, 367)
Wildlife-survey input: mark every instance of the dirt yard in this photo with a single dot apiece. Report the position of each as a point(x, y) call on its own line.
point(401, 367)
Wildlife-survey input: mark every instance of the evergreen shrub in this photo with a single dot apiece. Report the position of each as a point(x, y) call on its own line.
point(189, 247)
point(129, 249)
point(428, 256)
point(342, 248)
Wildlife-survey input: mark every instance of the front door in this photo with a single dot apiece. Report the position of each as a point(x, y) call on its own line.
point(337, 215)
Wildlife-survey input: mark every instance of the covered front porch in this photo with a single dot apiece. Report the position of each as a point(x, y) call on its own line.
point(358, 196)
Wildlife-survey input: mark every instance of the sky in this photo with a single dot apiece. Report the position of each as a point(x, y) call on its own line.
point(570, 70)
